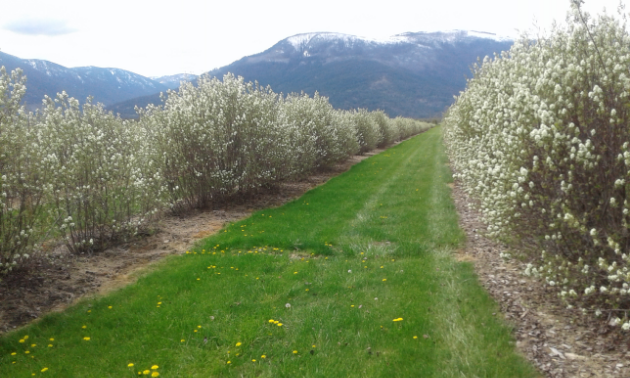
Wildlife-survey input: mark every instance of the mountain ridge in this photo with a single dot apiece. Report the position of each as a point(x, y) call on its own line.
point(413, 74)
point(106, 85)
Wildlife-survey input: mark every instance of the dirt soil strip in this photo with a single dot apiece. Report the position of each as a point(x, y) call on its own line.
point(46, 286)
point(559, 341)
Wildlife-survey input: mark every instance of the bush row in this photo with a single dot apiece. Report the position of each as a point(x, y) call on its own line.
point(541, 138)
point(82, 174)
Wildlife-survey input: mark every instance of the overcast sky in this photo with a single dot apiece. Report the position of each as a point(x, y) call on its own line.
point(156, 38)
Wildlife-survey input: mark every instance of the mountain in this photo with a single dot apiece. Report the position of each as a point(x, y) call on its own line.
point(410, 74)
point(107, 85)
point(173, 81)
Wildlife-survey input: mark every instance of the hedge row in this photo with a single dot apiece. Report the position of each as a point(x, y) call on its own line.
point(82, 174)
point(541, 138)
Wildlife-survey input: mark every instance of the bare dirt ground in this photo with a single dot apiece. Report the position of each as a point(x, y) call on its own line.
point(46, 286)
point(558, 341)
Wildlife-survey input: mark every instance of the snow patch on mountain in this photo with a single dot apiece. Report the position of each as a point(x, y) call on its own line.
point(305, 40)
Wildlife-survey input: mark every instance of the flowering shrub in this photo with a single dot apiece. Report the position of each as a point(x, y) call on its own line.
point(387, 130)
point(22, 178)
point(325, 139)
point(367, 130)
point(102, 187)
point(83, 174)
point(540, 137)
point(218, 139)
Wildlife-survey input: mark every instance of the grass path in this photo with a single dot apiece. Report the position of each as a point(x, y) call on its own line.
point(354, 279)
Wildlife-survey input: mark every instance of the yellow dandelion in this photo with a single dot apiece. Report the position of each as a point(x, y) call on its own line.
point(381, 267)
point(263, 356)
point(253, 360)
point(86, 338)
point(306, 289)
point(415, 337)
point(33, 345)
point(295, 352)
point(351, 305)
point(294, 272)
point(195, 331)
point(13, 354)
point(130, 365)
point(50, 345)
point(229, 362)
point(198, 326)
point(27, 352)
point(182, 340)
point(155, 374)
point(44, 369)
point(84, 327)
point(239, 344)
point(52, 339)
point(154, 367)
point(22, 340)
point(146, 372)
point(313, 345)
point(384, 279)
point(271, 321)
point(110, 307)
point(279, 324)
point(26, 337)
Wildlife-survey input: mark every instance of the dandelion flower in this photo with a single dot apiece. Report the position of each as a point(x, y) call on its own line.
point(155, 374)
point(130, 365)
point(384, 279)
point(51, 339)
point(154, 367)
point(26, 337)
point(182, 340)
point(351, 305)
point(239, 344)
point(415, 337)
point(306, 290)
point(229, 362)
point(313, 345)
point(22, 340)
point(13, 354)
point(50, 345)
point(27, 352)
point(263, 356)
point(86, 338)
point(84, 327)
point(295, 352)
point(110, 307)
point(271, 321)
point(146, 372)
point(279, 324)
point(33, 345)
point(253, 360)
point(44, 369)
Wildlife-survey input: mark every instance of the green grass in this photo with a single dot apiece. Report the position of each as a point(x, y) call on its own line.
point(372, 245)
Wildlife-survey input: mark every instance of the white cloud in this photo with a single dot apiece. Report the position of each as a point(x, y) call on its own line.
point(34, 26)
